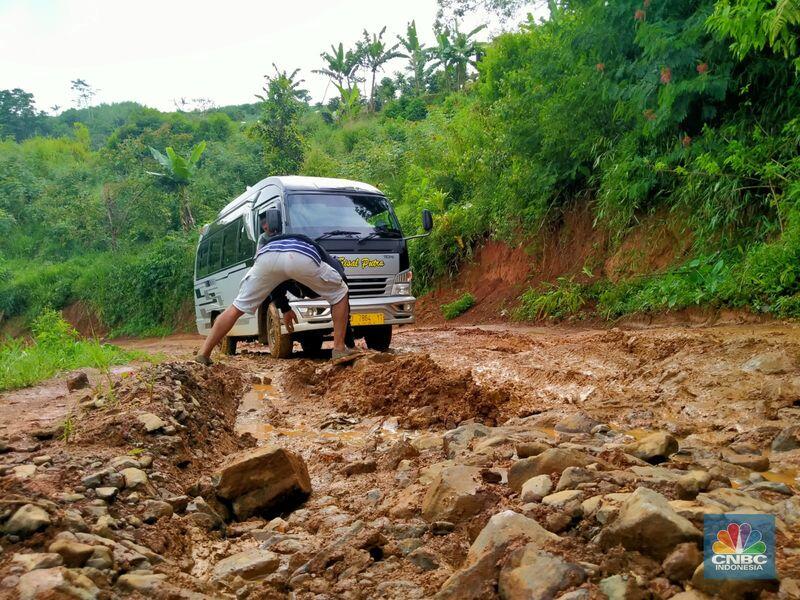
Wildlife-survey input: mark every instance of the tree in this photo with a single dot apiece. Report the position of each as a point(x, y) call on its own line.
point(341, 66)
point(418, 57)
point(18, 115)
point(84, 93)
point(282, 102)
point(374, 54)
point(456, 52)
point(179, 172)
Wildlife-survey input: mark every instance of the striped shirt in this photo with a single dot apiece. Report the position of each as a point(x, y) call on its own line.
point(291, 245)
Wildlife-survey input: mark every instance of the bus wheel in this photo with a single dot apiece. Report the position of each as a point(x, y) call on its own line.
point(228, 345)
point(312, 344)
point(280, 345)
point(378, 337)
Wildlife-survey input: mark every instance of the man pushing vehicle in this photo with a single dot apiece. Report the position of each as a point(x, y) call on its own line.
point(283, 263)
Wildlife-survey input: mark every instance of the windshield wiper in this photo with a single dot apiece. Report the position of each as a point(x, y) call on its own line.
point(381, 232)
point(336, 233)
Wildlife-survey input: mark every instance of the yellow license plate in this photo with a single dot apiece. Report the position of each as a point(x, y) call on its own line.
point(366, 319)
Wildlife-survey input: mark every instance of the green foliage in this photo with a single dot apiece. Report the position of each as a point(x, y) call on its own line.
point(457, 307)
point(558, 300)
point(56, 347)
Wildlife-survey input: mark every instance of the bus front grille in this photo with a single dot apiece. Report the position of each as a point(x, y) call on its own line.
point(368, 286)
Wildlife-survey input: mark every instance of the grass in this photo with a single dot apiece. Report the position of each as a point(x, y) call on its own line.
point(56, 347)
point(554, 301)
point(458, 307)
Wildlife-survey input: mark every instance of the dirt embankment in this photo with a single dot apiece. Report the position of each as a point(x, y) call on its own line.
point(498, 273)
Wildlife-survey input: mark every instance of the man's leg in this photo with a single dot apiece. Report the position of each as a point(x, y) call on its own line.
point(222, 325)
point(340, 313)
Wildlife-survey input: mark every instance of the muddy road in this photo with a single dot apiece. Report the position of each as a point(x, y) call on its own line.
point(469, 462)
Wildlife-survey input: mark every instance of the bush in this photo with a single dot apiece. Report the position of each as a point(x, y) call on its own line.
point(458, 307)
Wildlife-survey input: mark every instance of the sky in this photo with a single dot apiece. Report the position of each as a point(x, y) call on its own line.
point(157, 51)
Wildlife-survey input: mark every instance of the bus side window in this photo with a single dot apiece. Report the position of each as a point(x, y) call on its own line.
point(229, 256)
point(215, 253)
point(202, 259)
point(247, 248)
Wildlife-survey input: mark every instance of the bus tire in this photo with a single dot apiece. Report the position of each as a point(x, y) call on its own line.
point(280, 344)
point(311, 344)
point(228, 345)
point(378, 337)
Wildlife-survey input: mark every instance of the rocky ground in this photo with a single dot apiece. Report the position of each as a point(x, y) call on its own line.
point(468, 463)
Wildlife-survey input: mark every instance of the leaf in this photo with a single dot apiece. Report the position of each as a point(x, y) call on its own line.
point(197, 152)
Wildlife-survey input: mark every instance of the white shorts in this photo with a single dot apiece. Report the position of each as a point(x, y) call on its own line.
point(273, 268)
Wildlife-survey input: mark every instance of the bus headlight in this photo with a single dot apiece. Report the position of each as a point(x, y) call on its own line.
point(402, 283)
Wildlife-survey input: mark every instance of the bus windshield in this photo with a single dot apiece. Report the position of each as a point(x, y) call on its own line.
point(317, 214)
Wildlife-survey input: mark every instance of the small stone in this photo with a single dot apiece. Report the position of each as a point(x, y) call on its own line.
point(24, 471)
point(502, 529)
point(77, 381)
point(27, 520)
point(576, 423)
point(531, 574)
point(558, 521)
point(134, 478)
point(156, 509)
point(124, 462)
point(528, 449)
point(100, 559)
point(455, 494)
point(573, 476)
point(144, 583)
point(106, 493)
point(400, 450)
point(151, 422)
point(75, 554)
point(408, 545)
point(552, 460)
point(747, 461)
point(682, 562)
point(360, 467)
point(654, 448)
point(57, 582)
point(425, 559)
point(442, 527)
point(93, 480)
point(249, 564)
point(38, 560)
point(491, 476)
point(536, 488)
point(621, 587)
point(564, 498)
point(42, 459)
point(788, 439)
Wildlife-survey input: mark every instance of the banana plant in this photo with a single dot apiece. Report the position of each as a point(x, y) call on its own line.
point(350, 103)
point(178, 173)
point(418, 57)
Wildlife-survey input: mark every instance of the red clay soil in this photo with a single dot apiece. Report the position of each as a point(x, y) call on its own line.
point(499, 272)
point(412, 385)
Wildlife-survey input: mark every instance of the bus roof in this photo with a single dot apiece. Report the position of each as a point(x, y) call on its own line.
point(296, 183)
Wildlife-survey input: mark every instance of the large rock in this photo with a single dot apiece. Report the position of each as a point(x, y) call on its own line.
point(38, 560)
point(504, 528)
point(478, 576)
point(27, 520)
point(752, 462)
point(553, 460)
point(144, 583)
point(151, 422)
point(58, 582)
point(536, 488)
point(654, 448)
point(134, 478)
point(682, 562)
point(455, 494)
point(532, 574)
point(247, 565)
point(731, 589)
point(261, 479)
point(647, 523)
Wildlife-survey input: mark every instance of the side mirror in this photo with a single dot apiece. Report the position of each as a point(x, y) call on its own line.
point(427, 220)
point(274, 221)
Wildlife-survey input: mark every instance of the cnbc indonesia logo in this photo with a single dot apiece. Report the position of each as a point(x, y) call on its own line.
point(740, 550)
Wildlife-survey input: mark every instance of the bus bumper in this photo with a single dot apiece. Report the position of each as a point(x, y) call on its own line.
point(314, 315)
